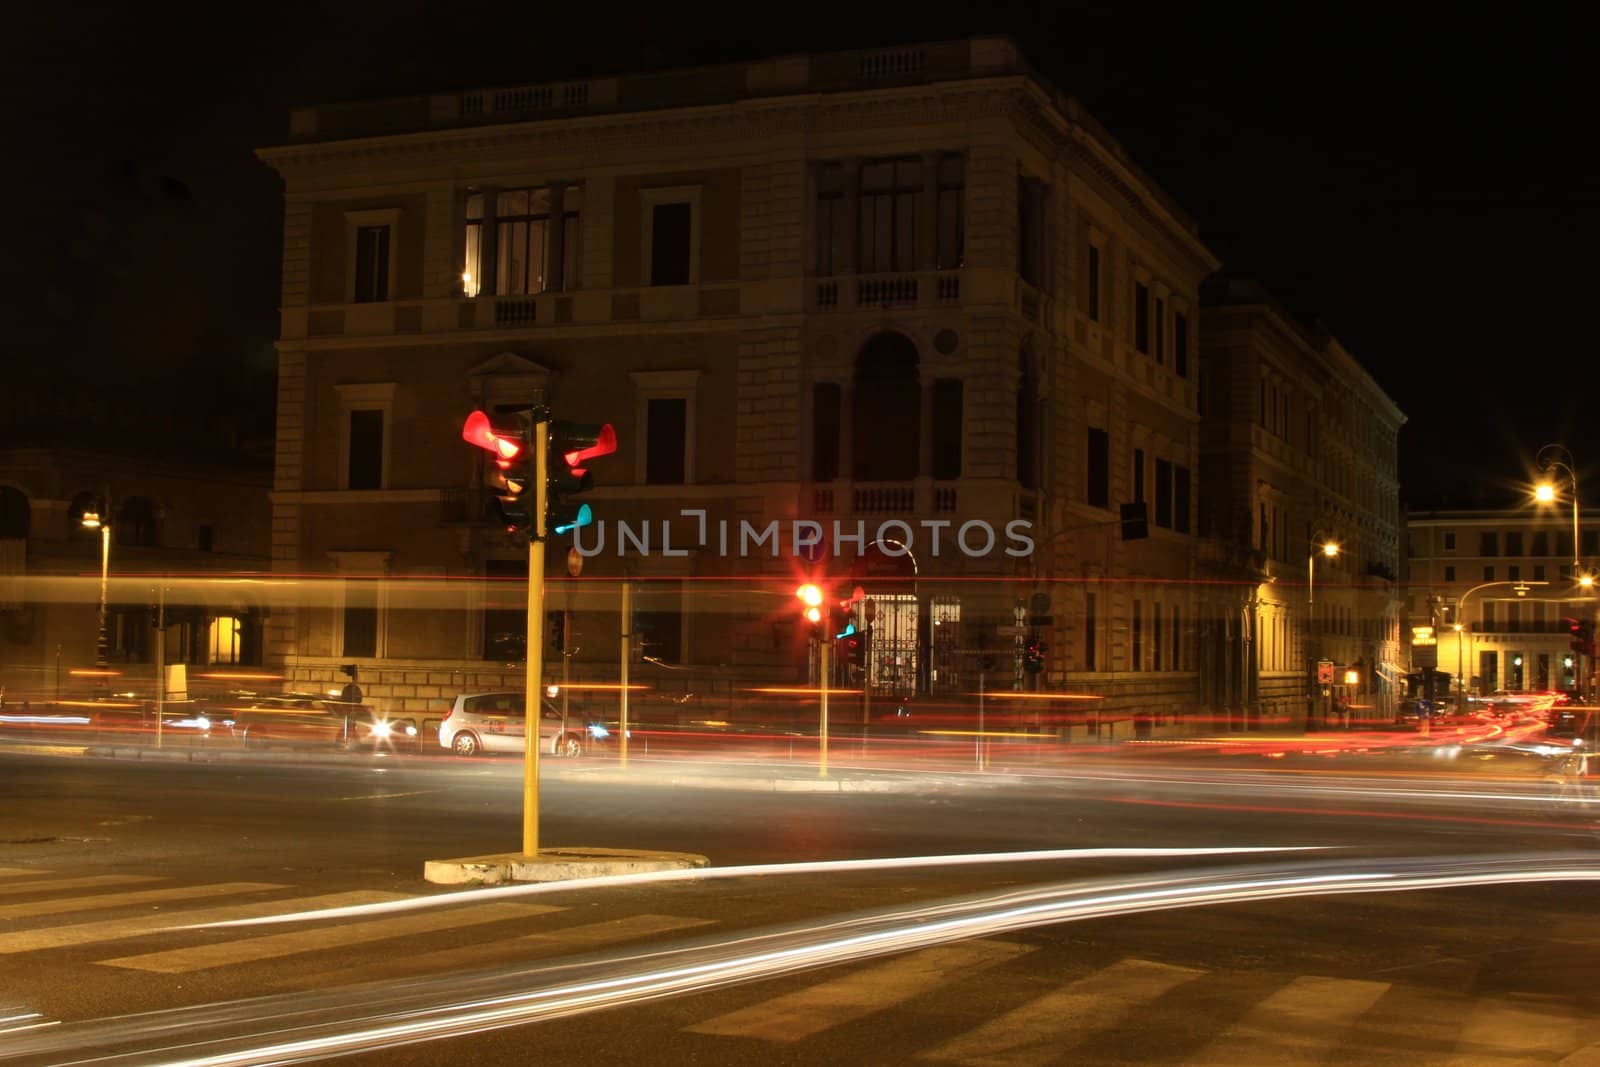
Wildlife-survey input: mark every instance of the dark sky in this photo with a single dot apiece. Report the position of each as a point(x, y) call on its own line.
point(1422, 182)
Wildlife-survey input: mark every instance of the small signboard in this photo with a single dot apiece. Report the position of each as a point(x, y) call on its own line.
point(1425, 657)
point(1324, 672)
point(1423, 635)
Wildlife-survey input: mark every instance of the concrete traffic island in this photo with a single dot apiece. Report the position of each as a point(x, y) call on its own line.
point(556, 865)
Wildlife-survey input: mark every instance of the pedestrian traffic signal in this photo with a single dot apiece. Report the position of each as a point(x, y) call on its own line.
point(852, 645)
point(1033, 656)
point(572, 446)
point(511, 443)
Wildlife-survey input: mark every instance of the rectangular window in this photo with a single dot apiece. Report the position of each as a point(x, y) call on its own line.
point(1138, 474)
point(947, 429)
point(522, 224)
point(1449, 574)
point(366, 450)
point(1098, 484)
point(1094, 283)
point(666, 440)
point(360, 619)
point(830, 220)
point(1161, 330)
point(1164, 493)
point(1090, 610)
point(1488, 544)
point(1138, 639)
point(472, 254)
point(1180, 344)
point(204, 537)
point(1155, 636)
point(1513, 573)
point(1538, 572)
point(1265, 544)
point(1541, 544)
point(658, 632)
point(1591, 543)
point(1180, 499)
point(671, 243)
point(1030, 226)
point(1262, 418)
point(372, 264)
point(1449, 542)
point(1177, 647)
point(952, 234)
point(1488, 574)
point(1141, 317)
point(825, 415)
point(887, 210)
point(1514, 543)
point(1564, 544)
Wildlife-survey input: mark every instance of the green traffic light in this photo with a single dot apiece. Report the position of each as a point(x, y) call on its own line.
point(584, 517)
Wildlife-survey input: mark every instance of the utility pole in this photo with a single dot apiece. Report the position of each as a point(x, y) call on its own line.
point(627, 654)
point(535, 655)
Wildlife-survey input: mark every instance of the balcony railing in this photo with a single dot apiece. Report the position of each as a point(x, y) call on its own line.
point(883, 499)
point(1516, 626)
point(909, 289)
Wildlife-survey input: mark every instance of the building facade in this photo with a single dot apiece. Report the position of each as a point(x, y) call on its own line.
point(170, 524)
point(1500, 589)
point(916, 285)
point(1299, 452)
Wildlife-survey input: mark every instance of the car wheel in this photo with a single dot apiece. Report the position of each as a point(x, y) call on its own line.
point(466, 744)
point(571, 746)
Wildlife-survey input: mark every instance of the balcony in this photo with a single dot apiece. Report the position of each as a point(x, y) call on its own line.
point(922, 496)
point(1516, 626)
point(905, 290)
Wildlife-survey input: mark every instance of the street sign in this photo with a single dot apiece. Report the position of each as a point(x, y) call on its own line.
point(1324, 672)
point(1423, 635)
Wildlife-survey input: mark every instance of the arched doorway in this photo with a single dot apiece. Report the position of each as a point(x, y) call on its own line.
point(887, 431)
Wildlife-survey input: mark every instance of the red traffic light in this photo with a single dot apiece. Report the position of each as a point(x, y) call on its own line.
point(605, 443)
point(479, 431)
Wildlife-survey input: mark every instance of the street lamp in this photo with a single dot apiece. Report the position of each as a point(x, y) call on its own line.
point(1521, 588)
point(1329, 549)
point(1554, 457)
point(93, 520)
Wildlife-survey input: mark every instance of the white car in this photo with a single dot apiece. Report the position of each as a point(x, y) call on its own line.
point(497, 722)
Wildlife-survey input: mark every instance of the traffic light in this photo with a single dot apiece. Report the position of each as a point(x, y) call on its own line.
point(511, 444)
point(851, 646)
point(1033, 656)
point(810, 597)
point(572, 446)
point(558, 630)
point(1582, 636)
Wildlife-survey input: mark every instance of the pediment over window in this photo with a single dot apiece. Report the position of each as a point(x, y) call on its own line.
point(508, 378)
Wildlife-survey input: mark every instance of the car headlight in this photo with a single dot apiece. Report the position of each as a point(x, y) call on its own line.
point(203, 723)
point(381, 729)
point(598, 731)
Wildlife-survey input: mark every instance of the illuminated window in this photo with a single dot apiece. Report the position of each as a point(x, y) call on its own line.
point(223, 644)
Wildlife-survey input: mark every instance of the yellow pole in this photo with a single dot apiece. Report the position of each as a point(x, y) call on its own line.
point(627, 652)
point(822, 751)
point(535, 652)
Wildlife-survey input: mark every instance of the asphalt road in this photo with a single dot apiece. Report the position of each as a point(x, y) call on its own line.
point(103, 862)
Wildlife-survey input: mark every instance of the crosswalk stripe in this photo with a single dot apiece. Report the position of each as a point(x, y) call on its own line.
point(86, 882)
point(1504, 1032)
point(1295, 1025)
point(18, 872)
point(1411, 1023)
point(828, 1004)
point(1040, 1030)
point(134, 926)
point(294, 942)
point(526, 947)
point(101, 901)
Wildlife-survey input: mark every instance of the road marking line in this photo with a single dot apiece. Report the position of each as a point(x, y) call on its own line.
point(1298, 1024)
point(295, 942)
point(828, 1004)
point(135, 926)
point(1510, 1032)
point(526, 947)
point(86, 882)
point(59, 905)
point(1041, 1030)
point(388, 796)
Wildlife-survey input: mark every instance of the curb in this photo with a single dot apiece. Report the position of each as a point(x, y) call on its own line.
point(556, 865)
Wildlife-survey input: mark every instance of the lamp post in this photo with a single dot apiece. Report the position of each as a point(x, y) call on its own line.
point(1521, 587)
point(93, 520)
point(1557, 457)
point(1329, 548)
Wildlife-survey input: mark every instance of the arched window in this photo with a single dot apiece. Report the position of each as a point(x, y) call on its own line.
point(888, 410)
point(13, 514)
point(135, 524)
point(1027, 423)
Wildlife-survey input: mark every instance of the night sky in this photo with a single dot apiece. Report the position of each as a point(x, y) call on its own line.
point(1422, 183)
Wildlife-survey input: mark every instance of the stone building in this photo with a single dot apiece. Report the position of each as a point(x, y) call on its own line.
point(1299, 452)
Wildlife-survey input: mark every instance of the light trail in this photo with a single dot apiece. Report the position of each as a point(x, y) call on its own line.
point(297, 1027)
point(749, 870)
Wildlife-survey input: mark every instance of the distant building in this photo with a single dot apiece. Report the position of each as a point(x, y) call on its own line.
point(1299, 450)
point(1506, 578)
point(167, 519)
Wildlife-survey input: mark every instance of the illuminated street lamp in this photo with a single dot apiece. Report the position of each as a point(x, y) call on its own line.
point(92, 520)
point(1329, 549)
point(1554, 457)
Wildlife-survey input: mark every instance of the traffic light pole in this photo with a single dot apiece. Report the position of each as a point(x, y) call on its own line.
point(627, 654)
point(824, 655)
point(535, 655)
